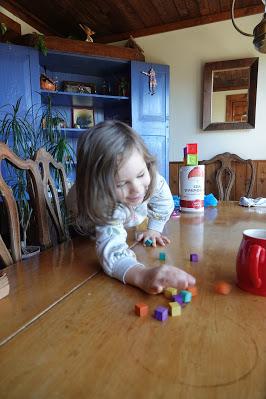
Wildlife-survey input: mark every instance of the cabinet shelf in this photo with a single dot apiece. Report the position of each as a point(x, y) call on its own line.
point(80, 99)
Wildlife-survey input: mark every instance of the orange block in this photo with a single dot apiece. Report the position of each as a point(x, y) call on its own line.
point(222, 287)
point(141, 309)
point(193, 290)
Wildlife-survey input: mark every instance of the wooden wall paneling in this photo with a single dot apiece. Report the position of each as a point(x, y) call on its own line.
point(242, 180)
point(210, 182)
point(174, 177)
point(261, 179)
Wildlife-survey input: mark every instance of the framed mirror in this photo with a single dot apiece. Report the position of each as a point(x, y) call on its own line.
point(229, 94)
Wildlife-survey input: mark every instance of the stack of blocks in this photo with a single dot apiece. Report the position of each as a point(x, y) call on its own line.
point(178, 300)
point(191, 154)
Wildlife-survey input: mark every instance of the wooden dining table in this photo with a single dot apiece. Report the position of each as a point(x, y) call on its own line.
point(85, 341)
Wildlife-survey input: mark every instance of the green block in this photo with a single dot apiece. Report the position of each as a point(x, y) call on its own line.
point(192, 159)
point(175, 309)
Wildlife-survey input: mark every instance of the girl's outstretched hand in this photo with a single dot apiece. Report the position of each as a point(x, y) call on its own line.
point(155, 280)
point(154, 236)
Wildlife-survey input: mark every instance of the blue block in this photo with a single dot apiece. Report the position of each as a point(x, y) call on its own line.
point(148, 243)
point(162, 256)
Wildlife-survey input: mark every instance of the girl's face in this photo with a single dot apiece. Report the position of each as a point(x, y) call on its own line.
point(132, 179)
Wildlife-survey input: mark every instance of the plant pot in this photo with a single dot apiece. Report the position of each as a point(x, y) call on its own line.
point(30, 251)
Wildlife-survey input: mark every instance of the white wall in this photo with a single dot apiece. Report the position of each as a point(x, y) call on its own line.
point(186, 51)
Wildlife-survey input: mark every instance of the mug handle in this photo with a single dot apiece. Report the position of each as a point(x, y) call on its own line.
point(254, 254)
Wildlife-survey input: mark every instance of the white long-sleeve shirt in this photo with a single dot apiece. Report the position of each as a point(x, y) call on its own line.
point(114, 254)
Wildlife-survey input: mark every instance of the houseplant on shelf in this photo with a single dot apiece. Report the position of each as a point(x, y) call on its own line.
point(25, 133)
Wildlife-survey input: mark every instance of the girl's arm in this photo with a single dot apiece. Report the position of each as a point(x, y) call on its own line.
point(120, 262)
point(114, 254)
point(160, 208)
point(160, 205)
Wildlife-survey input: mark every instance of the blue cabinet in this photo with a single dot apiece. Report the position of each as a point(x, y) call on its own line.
point(19, 77)
point(147, 113)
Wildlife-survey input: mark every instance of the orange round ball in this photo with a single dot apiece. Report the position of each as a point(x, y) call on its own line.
point(222, 287)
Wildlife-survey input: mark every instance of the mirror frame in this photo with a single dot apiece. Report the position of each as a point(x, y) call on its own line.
point(209, 68)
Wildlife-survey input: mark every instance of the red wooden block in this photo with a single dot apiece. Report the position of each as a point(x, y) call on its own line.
point(192, 148)
point(141, 309)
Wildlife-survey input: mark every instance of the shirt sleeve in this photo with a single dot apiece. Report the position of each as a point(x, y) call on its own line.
point(114, 254)
point(160, 205)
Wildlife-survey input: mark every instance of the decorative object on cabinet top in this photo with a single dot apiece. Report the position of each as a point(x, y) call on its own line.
point(80, 47)
point(131, 43)
point(89, 33)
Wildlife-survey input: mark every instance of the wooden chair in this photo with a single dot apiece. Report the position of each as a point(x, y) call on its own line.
point(227, 174)
point(9, 202)
point(55, 198)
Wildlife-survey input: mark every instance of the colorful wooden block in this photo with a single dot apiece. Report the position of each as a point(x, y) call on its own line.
point(169, 292)
point(161, 313)
point(193, 290)
point(162, 256)
point(175, 309)
point(178, 298)
point(222, 287)
point(141, 309)
point(186, 296)
point(192, 148)
point(194, 258)
point(192, 159)
point(175, 214)
point(148, 243)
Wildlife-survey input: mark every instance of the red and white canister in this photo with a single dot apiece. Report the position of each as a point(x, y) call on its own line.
point(191, 184)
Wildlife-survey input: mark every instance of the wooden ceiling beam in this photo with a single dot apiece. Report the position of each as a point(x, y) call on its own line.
point(28, 17)
point(188, 23)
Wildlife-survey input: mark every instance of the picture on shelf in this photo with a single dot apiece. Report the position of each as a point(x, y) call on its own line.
point(83, 118)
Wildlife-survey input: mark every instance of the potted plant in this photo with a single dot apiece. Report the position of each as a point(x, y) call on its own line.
point(25, 133)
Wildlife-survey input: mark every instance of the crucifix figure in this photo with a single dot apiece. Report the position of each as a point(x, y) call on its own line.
point(152, 80)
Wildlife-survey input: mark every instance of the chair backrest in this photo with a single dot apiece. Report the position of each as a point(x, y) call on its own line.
point(41, 174)
point(9, 203)
point(225, 174)
point(55, 191)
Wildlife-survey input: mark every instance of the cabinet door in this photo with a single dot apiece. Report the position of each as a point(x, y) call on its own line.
point(150, 112)
point(19, 77)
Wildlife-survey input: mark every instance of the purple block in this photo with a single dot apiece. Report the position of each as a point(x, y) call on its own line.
point(178, 298)
point(194, 258)
point(161, 313)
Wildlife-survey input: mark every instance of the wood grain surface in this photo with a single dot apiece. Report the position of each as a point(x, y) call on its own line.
point(92, 345)
point(38, 283)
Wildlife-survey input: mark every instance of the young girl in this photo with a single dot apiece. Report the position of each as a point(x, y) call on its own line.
point(117, 186)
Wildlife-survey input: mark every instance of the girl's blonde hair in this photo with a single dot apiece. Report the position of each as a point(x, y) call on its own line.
point(100, 151)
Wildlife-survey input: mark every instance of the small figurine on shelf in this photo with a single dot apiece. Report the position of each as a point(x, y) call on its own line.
point(47, 83)
point(105, 88)
point(88, 32)
point(123, 87)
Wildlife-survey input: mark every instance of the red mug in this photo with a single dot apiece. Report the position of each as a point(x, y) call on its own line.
point(251, 262)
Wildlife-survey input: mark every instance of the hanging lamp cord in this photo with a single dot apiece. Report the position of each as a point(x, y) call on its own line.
point(233, 20)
